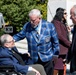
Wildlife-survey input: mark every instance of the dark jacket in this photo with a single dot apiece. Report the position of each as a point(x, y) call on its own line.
point(63, 37)
point(71, 57)
point(7, 58)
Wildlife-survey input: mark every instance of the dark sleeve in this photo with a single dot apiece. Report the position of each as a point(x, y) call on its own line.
point(69, 55)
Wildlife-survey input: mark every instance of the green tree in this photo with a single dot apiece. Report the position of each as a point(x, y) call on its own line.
point(16, 11)
point(42, 5)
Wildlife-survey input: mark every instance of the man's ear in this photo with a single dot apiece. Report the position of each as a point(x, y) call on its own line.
point(6, 45)
point(75, 17)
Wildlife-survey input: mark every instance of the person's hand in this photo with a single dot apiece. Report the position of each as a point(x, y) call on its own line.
point(28, 54)
point(37, 72)
point(64, 60)
point(69, 28)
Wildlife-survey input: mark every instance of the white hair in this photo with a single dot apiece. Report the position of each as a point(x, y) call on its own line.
point(35, 12)
point(3, 38)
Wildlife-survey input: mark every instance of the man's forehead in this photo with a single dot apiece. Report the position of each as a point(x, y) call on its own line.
point(72, 11)
point(33, 17)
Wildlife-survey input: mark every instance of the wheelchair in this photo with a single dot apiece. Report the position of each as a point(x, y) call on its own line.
point(8, 70)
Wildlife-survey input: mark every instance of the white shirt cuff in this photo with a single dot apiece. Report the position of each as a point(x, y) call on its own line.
point(30, 69)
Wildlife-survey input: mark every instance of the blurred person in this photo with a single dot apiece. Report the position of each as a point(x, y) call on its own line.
point(59, 21)
point(42, 40)
point(9, 55)
point(2, 22)
point(71, 57)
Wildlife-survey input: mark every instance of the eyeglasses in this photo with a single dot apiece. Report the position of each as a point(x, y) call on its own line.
point(65, 13)
point(10, 41)
point(34, 20)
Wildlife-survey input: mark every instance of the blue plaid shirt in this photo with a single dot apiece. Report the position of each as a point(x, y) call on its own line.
point(46, 46)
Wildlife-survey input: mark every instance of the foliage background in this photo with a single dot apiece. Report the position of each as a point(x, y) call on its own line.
point(15, 12)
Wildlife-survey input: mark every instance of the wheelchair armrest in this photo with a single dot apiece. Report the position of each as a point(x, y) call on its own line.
point(6, 67)
point(8, 70)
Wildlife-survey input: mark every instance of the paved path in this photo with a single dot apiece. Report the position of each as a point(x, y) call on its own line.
point(22, 46)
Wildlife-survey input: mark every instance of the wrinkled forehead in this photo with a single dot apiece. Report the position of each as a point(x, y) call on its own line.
point(73, 11)
point(33, 16)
